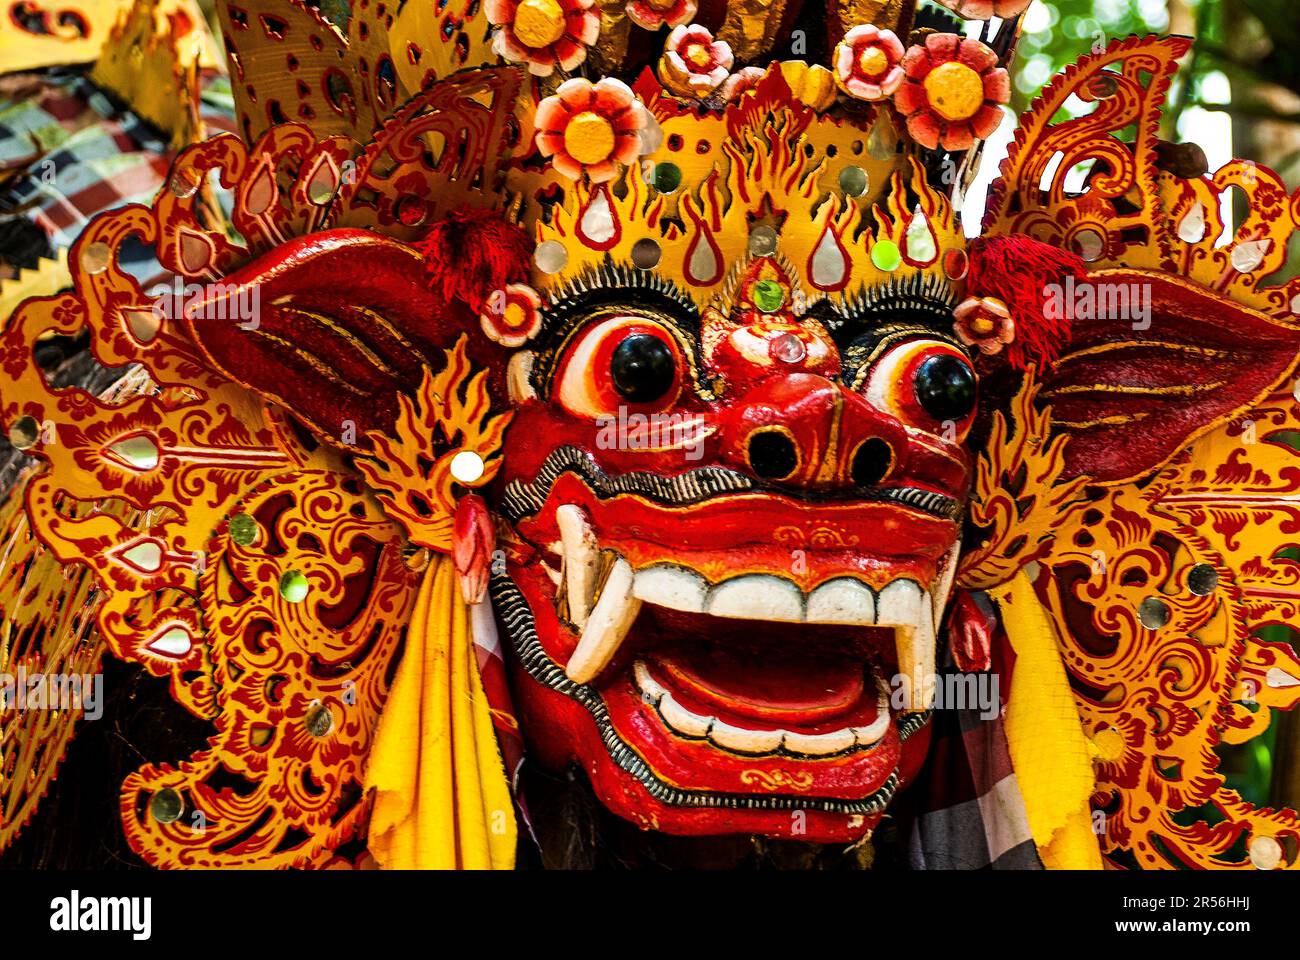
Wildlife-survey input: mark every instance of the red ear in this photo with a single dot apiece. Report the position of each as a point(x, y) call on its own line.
point(332, 326)
point(1133, 391)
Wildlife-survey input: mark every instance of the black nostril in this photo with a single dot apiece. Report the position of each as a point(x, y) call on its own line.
point(871, 462)
point(772, 454)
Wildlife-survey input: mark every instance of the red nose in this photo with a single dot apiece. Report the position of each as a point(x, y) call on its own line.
point(805, 431)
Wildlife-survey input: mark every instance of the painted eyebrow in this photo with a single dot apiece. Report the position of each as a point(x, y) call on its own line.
point(860, 356)
point(615, 280)
point(607, 291)
point(924, 300)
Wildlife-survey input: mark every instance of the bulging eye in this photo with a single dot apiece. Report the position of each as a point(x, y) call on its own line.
point(623, 361)
point(925, 383)
point(643, 368)
point(945, 387)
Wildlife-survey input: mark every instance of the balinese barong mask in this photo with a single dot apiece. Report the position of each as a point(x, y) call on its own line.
point(673, 346)
point(743, 519)
point(743, 529)
point(733, 500)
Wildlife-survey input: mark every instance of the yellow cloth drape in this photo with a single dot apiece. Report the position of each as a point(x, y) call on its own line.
point(1049, 751)
point(441, 797)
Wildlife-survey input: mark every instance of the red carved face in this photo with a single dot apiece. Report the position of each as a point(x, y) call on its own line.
point(738, 533)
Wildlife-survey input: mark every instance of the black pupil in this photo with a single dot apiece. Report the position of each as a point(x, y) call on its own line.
point(642, 368)
point(945, 387)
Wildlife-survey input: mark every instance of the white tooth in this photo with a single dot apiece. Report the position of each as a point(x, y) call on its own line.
point(820, 744)
point(843, 600)
point(745, 741)
point(916, 660)
point(608, 624)
point(676, 588)
point(757, 597)
point(581, 560)
point(940, 591)
point(899, 604)
point(682, 720)
point(650, 688)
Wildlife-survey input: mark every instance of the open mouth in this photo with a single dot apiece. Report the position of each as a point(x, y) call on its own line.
point(889, 626)
point(763, 690)
point(679, 718)
point(721, 657)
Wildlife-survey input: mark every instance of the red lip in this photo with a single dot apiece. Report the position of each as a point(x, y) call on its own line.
point(698, 765)
point(805, 542)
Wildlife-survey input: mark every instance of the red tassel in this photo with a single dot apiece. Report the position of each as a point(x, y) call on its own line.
point(472, 253)
point(1018, 270)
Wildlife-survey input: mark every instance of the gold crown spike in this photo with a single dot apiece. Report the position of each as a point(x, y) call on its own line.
point(752, 27)
point(780, 166)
